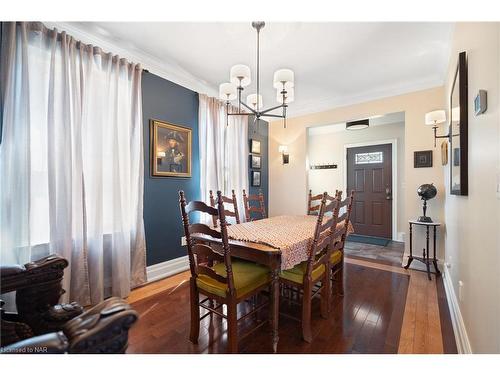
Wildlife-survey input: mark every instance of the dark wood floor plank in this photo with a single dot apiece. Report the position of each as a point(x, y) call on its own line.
point(366, 320)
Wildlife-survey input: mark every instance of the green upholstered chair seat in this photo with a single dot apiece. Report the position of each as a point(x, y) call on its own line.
point(296, 274)
point(336, 257)
point(247, 276)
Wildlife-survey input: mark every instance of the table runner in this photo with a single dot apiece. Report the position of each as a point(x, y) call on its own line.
point(291, 234)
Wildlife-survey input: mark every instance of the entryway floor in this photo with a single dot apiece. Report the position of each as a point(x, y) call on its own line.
point(391, 254)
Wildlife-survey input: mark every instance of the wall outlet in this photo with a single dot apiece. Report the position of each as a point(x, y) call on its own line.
point(460, 290)
point(183, 241)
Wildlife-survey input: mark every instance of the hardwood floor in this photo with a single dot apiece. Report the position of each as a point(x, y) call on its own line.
point(366, 320)
point(386, 309)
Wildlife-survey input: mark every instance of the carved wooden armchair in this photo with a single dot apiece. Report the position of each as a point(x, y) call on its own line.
point(102, 329)
point(38, 290)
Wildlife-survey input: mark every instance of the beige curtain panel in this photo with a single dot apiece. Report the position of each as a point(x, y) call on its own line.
point(71, 160)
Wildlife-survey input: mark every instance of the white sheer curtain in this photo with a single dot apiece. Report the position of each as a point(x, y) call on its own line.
point(71, 160)
point(223, 151)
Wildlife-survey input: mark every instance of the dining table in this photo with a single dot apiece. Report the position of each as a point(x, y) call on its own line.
point(278, 242)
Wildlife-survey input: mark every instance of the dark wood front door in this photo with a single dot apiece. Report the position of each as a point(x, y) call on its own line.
point(369, 174)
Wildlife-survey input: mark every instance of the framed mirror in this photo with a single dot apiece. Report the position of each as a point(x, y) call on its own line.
point(458, 129)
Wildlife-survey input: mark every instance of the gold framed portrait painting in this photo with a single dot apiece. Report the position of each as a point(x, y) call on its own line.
point(170, 149)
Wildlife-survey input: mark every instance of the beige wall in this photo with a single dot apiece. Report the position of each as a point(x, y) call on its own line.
point(329, 147)
point(288, 183)
point(472, 222)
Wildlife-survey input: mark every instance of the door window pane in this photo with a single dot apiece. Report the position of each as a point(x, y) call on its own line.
point(369, 157)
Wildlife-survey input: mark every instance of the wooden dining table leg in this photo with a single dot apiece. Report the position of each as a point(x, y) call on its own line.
point(275, 300)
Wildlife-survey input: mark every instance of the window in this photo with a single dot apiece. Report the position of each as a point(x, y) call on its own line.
point(369, 158)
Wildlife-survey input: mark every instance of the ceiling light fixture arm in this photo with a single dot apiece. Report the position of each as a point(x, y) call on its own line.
point(241, 78)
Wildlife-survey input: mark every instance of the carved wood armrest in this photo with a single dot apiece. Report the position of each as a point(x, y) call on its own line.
point(101, 329)
point(47, 269)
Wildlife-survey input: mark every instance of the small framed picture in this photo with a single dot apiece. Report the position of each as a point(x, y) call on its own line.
point(422, 159)
point(255, 161)
point(255, 146)
point(255, 178)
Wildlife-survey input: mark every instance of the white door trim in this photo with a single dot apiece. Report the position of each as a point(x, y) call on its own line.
point(394, 143)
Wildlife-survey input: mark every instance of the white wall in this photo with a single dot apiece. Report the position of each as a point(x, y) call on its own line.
point(329, 147)
point(288, 183)
point(472, 222)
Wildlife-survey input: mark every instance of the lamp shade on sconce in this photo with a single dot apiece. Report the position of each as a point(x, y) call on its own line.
point(240, 72)
point(435, 117)
point(227, 91)
point(161, 154)
point(252, 101)
point(283, 76)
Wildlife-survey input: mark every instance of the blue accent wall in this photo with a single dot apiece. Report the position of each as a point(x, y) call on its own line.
point(260, 132)
point(166, 101)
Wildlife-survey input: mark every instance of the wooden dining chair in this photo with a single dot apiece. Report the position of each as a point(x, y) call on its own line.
point(337, 253)
point(259, 209)
point(308, 274)
point(227, 200)
point(228, 282)
point(312, 206)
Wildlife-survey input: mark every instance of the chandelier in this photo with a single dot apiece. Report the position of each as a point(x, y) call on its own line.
point(283, 82)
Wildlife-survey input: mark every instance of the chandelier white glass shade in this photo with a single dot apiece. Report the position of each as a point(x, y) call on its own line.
point(283, 77)
point(240, 77)
point(227, 91)
point(255, 101)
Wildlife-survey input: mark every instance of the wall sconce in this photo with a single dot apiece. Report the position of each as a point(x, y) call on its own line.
point(434, 118)
point(283, 150)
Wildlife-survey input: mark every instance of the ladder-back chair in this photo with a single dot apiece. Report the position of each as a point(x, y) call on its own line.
point(228, 282)
point(227, 200)
point(259, 209)
point(309, 273)
point(312, 206)
point(337, 253)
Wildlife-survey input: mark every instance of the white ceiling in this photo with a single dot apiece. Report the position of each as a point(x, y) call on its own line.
point(375, 120)
point(334, 63)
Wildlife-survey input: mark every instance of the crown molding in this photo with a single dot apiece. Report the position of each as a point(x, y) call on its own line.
point(170, 71)
point(175, 73)
point(329, 103)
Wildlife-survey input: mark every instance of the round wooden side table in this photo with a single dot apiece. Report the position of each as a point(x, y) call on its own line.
point(425, 251)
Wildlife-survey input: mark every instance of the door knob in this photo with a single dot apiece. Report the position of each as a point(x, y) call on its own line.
point(388, 194)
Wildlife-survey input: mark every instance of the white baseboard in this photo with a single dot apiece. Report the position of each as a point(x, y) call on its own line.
point(165, 269)
point(461, 338)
